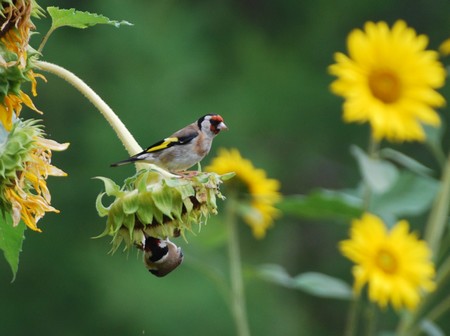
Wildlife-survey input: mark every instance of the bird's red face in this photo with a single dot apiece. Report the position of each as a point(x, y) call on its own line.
point(217, 124)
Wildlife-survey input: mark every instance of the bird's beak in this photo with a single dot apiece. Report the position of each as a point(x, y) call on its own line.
point(222, 126)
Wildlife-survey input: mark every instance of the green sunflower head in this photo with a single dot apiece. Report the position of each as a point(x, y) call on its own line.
point(15, 147)
point(149, 204)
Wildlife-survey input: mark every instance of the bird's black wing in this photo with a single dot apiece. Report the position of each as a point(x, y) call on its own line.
point(169, 142)
point(159, 146)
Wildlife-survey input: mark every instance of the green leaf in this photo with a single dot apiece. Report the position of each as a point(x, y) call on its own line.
point(78, 19)
point(410, 195)
point(322, 204)
point(313, 283)
point(323, 285)
point(434, 135)
point(379, 174)
point(430, 328)
point(275, 273)
point(405, 161)
point(11, 239)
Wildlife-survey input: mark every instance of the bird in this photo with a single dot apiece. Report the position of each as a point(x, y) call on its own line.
point(182, 149)
point(161, 256)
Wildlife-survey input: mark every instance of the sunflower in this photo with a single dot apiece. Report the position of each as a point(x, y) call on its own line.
point(16, 58)
point(258, 193)
point(395, 264)
point(389, 80)
point(25, 164)
point(444, 48)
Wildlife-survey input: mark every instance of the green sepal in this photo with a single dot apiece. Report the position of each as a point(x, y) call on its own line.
point(101, 209)
point(111, 188)
point(163, 199)
point(146, 209)
point(227, 176)
point(130, 203)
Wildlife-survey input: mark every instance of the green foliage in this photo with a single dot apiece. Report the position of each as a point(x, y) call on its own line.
point(378, 174)
point(11, 239)
point(181, 59)
point(78, 19)
point(313, 283)
point(410, 195)
point(323, 205)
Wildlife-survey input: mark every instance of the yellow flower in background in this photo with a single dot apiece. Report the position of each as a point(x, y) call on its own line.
point(258, 192)
point(389, 80)
point(444, 48)
point(395, 264)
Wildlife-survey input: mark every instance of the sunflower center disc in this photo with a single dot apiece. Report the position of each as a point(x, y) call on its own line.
point(385, 85)
point(386, 261)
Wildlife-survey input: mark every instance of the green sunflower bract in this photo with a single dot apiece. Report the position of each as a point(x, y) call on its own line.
point(153, 205)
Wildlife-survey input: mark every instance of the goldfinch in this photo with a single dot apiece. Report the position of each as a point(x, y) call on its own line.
point(184, 148)
point(161, 256)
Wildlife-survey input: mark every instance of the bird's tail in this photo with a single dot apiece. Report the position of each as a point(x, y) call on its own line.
point(124, 162)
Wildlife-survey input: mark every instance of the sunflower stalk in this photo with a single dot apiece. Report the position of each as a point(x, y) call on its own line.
point(438, 219)
point(433, 232)
point(237, 286)
point(117, 125)
point(353, 315)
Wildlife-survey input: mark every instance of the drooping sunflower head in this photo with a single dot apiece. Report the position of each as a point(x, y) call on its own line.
point(395, 264)
point(151, 205)
point(389, 79)
point(257, 193)
point(16, 57)
point(25, 164)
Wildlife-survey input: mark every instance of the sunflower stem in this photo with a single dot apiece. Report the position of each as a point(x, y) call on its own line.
point(117, 125)
point(371, 319)
point(373, 153)
point(237, 286)
point(433, 232)
point(352, 319)
point(439, 309)
point(438, 218)
point(44, 40)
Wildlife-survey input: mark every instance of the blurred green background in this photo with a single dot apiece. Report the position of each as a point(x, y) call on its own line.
point(262, 65)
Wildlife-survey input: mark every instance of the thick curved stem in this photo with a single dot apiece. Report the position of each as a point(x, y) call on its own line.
point(122, 132)
point(119, 128)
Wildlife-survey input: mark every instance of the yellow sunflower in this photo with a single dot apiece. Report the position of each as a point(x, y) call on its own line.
point(257, 192)
point(389, 80)
point(444, 48)
point(395, 264)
